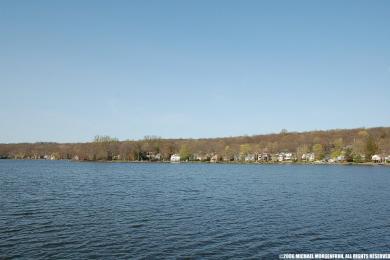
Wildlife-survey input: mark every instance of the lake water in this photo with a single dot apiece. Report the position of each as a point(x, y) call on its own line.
point(59, 209)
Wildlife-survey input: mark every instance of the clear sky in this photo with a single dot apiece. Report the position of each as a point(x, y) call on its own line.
point(70, 70)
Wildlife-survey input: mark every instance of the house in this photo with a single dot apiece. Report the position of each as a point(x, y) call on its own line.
point(214, 158)
point(237, 157)
point(116, 157)
point(250, 158)
point(284, 156)
point(264, 157)
point(287, 156)
point(387, 159)
point(376, 158)
point(228, 158)
point(201, 157)
point(309, 157)
point(153, 156)
point(175, 158)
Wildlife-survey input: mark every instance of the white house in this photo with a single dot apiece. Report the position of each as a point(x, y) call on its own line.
point(153, 156)
point(288, 156)
point(214, 158)
point(387, 159)
point(308, 157)
point(264, 157)
point(201, 157)
point(237, 157)
point(228, 158)
point(175, 158)
point(250, 158)
point(376, 158)
point(283, 156)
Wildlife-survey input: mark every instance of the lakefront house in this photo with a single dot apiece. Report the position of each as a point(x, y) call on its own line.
point(283, 157)
point(309, 157)
point(175, 158)
point(152, 156)
point(201, 157)
point(250, 158)
point(387, 159)
point(228, 158)
point(376, 158)
point(263, 157)
point(340, 158)
point(215, 158)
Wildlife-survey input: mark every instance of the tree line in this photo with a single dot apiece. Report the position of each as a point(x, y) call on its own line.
point(354, 144)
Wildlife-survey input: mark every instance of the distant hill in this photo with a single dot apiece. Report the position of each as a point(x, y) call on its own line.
point(356, 143)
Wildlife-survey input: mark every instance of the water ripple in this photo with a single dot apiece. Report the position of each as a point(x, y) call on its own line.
point(146, 211)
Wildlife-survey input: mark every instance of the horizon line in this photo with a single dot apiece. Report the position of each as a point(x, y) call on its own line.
point(282, 131)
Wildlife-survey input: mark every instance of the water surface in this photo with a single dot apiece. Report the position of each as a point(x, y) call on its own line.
point(59, 209)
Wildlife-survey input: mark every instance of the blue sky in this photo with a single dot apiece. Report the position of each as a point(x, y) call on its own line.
point(70, 70)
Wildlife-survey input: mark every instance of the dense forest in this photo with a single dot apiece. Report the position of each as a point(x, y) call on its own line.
point(354, 145)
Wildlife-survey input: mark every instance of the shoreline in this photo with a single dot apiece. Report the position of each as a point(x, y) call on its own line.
point(220, 162)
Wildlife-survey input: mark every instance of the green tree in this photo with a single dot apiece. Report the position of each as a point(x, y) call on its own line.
point(318, 151)
point(338, 144)
point(357, 158)
point(348, 155)
point(228, 153)
point(371, 147)
point(245, 149)
point(184, 153)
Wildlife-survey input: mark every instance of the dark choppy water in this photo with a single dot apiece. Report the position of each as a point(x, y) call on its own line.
point(55, 209)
